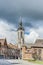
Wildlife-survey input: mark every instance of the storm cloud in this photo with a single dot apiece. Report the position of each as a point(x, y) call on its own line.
point(31, 12)
point(11, 10)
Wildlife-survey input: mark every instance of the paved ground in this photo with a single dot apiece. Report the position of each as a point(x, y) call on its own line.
point(15, 62)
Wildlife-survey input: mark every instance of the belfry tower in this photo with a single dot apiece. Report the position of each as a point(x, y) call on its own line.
point(20, 31)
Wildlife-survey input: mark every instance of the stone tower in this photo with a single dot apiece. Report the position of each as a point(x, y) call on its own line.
point(20, 31)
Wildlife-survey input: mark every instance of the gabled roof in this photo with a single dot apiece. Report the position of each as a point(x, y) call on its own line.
point(39, 40)
point(12, 46)
point(38, 43)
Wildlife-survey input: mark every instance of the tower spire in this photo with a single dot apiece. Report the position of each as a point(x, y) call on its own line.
point(20, 27)
point(20, 20)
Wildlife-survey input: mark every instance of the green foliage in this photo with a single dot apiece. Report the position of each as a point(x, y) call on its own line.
point(34, 55)
point(37, 61)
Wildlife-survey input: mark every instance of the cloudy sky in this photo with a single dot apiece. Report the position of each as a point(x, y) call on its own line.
point(31, 12)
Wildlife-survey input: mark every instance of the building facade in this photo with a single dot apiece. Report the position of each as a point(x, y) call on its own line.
point(38, 49)
point(3, 48)
point(8, 51)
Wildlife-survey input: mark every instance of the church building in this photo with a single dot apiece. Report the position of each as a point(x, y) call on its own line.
point(21, 50)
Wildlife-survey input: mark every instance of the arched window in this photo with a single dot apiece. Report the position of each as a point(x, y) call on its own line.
point(0, 44)
point(18, 35)
point(21, 34)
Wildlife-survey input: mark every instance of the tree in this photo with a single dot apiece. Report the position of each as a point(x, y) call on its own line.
point(34, 55)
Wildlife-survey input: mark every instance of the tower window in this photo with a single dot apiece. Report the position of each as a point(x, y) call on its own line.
point(18, 35)
point(21, 34)
point(0, 44)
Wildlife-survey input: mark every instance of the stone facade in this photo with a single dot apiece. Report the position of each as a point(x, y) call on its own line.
point(26, 53)
point(13, 52)
point(29, 50)
point(8, 50)
point(3, 48)
point(38, 47)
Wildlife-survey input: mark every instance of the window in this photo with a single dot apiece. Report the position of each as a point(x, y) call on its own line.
point(21, 34)
point(18, 35)
point(0, 44)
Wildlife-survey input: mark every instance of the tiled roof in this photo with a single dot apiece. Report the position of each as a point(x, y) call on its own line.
point(38, 43)
point(12, 46)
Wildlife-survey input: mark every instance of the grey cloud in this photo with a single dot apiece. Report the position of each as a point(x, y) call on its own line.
point(31, 8)
point(11, 30)
point(12, 9)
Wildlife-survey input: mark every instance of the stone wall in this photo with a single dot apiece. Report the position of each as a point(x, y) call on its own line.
point(26, 53)
point(39, 52)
